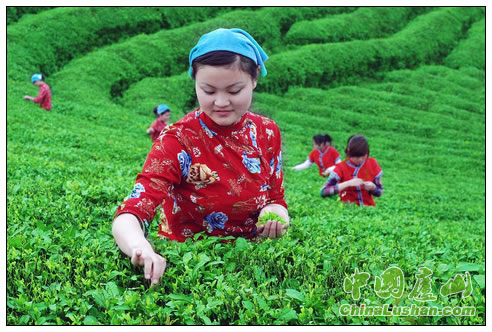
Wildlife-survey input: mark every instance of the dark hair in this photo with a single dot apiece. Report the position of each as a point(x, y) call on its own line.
point(226, 59)
point(357, 146)
point(155, 111)
point(322, 138)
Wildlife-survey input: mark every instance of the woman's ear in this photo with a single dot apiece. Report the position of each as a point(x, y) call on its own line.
point(258, 73)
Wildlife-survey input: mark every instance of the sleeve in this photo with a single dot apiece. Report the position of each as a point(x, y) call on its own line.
point(164, 167)
point(306, 164)
point(377, 181)
point(277, 176)
point(330, 187)
point(41, 96)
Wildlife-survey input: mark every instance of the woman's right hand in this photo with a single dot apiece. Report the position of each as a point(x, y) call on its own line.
point(154, 264)
point(130, 237)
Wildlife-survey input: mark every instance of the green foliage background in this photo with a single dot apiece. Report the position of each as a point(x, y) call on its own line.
point(411, 79)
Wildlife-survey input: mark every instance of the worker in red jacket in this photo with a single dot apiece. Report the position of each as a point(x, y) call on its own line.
point(357, 179)
point(163, 114)
point(44, 96)
point(323, 154)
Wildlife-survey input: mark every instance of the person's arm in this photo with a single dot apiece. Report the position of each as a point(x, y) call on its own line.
point(328, 170)
point(276, 202)
point(375, 188)
point(306, 164)
point(350, 183)
point(151, 188)
point(151, 129)
point(131, 240)
point(29, 98)
point(333, 185)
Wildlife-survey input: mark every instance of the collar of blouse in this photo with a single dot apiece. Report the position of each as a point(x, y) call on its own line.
point(221, 130)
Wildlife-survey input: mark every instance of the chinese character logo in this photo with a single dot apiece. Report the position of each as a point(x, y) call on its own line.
point(422, 291)
point(458, 284)
point(390, 283)
point(355, 282)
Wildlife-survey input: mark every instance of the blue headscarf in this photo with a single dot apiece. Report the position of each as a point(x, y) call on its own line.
point(162, 108)
point(36, 77)
point(232, 40)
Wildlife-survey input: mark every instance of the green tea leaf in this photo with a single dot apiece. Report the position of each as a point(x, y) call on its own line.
point(462, 267)
point(294, 294)
point(91, 320)
point(480, 279)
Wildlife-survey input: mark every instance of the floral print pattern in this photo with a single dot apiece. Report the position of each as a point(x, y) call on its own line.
point(252, 164)
point(252, 134)
point(215, 220)
point(137, 189)
point(278, 169)
point(201, 175)
point(176, 207)
point(184, 163)
point(210, 133)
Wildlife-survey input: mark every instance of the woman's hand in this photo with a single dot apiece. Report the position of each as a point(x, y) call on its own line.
point(356, 182)
point(369, 186)
point(274, 229)
point(154, 264)
point(131, 240)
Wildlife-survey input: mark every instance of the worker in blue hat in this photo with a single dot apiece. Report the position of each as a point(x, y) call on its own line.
point(218, 170)
point(44, 96)
point(163, 114)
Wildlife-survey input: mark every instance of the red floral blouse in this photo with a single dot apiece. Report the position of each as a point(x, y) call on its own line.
point(207, 178)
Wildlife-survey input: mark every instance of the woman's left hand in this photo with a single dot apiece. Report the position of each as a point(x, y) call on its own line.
point(272, 229)
point(369, 186)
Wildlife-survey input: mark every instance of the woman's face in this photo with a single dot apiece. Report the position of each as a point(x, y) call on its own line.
point(319, 147)
point(224, 93)
point(165, 117)
point(358, 160)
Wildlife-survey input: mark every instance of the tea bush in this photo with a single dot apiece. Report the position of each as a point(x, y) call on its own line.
point(14, 14)
point(427, 39)
point(418, 95)
point(364, 23)
point(95, 27)
point(470, 51)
